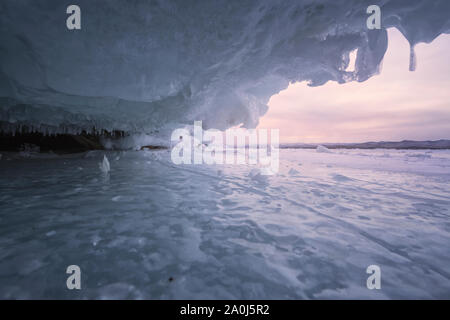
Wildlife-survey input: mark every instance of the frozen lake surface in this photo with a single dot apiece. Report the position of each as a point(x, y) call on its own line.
point(222, 231)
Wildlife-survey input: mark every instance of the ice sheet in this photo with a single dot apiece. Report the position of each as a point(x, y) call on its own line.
point(309, 232)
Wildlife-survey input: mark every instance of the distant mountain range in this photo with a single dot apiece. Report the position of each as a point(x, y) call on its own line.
point(405, 144)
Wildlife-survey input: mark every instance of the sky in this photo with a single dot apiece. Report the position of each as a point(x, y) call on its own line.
point(395, 105)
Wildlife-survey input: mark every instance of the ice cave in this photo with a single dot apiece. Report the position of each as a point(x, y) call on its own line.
point(147, 66)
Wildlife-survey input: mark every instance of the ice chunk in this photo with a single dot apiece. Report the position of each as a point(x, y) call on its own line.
point(104, 165)
point(322, 149)
point(340, 178)
point(258, 175)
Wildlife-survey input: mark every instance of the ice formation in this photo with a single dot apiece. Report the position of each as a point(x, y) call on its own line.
point(104, 165)
point(148, 66)
point(322, 149)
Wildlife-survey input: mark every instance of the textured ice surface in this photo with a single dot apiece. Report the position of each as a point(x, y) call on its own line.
point(221, 231)
point(146, 66)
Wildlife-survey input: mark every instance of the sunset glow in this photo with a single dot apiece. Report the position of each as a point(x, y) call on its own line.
point(395, 105)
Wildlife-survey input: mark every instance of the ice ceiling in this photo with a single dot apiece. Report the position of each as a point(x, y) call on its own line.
point(143, 66)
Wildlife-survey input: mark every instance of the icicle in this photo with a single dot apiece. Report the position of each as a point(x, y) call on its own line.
point(412, 58)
